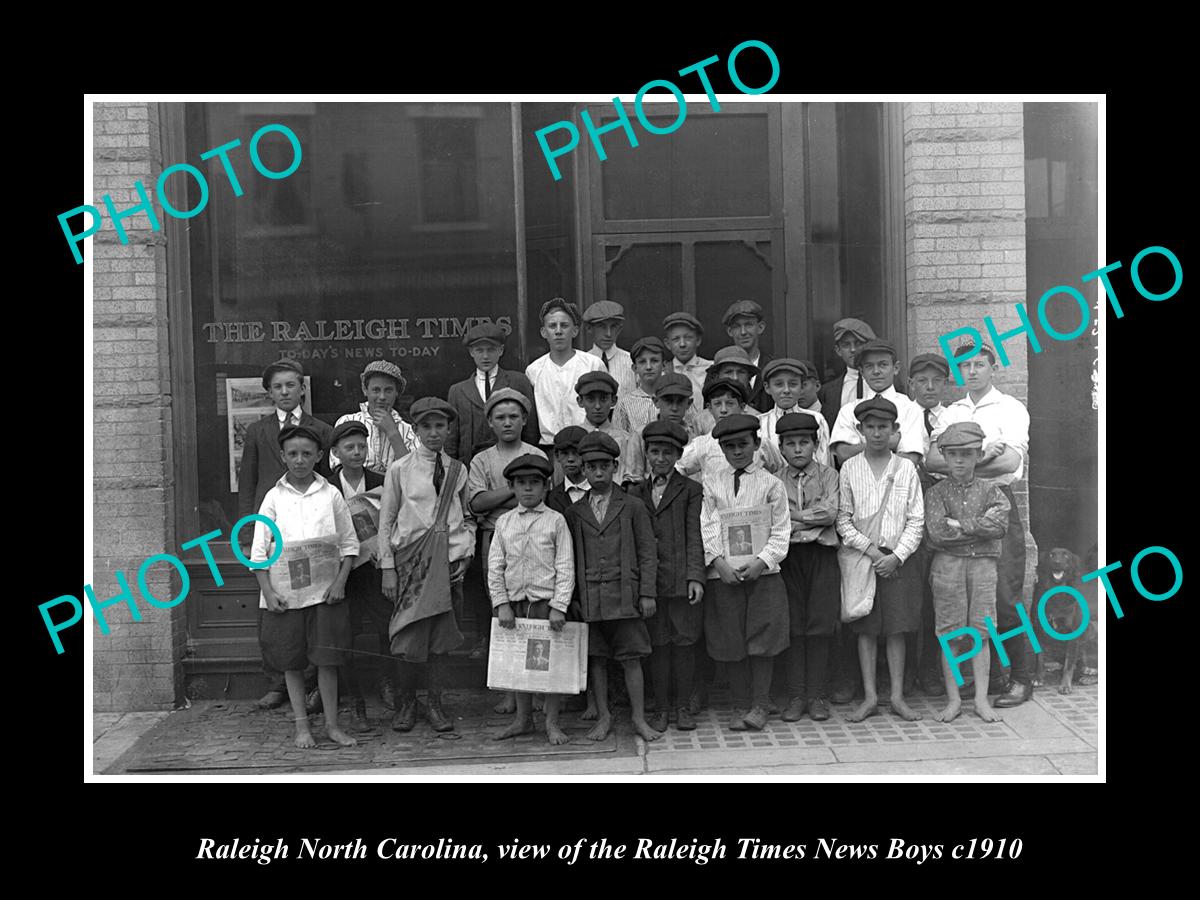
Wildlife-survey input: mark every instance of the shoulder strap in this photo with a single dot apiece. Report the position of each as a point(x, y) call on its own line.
point(448, 493)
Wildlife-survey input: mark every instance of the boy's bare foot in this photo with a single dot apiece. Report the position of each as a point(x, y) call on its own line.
point(507, 705)
point(600, 730)
point(642, 727)
point(304, 739)
point(590, 714)
point(950, 712)
point(869, 707)
point(340, 737)
point(904, 711)
point(660, 720)
point(556, 735)
point(984, 710)
point(516, 727)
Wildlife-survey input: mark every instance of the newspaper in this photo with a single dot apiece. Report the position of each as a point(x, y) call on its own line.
point(364, 509)
point(533, 658)
point(305, 570)
point(744, 533)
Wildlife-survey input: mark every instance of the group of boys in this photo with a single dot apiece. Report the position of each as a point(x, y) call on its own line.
point(599, 486)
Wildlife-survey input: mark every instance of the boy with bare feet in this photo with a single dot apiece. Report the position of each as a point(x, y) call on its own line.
point(966, 518)
point(881, 518)
point(616, 570)
point(304, 507)
point(531, 573)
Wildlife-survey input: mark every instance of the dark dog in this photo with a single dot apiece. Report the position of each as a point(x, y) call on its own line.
point(1056, 568)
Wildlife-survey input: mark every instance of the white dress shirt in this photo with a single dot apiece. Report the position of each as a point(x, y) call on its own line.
point(912, 422)
point(695, 369)
point(554, 391)
point(850, 387)
point(1002, 417)
point(480, 384)
point(620, 367)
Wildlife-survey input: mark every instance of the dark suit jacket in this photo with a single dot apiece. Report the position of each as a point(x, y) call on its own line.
point(371, 480)
point(830, 395)
point(615, 560)
point(262, 463)
point(471, 428)
point(759, 398)
point(676, 522)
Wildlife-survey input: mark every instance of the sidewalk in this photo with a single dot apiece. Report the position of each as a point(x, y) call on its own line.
point(1053, 734)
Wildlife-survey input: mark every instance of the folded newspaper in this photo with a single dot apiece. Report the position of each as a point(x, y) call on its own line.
point(744, 533)
point(531, 657)
point(305, 570)
point(364, 510)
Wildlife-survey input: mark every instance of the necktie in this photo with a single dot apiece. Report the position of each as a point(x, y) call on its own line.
point(737, 480)
point(487, 385)
point(439, 474)
point(928, 423)
point(604, 359)
point(858, 390)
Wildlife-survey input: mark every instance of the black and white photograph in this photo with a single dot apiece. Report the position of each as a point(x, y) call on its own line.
point(843, 309)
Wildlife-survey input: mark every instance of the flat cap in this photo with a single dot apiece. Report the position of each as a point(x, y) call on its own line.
point(741, 308)
point(527, 464)
point(431, 406)
point(281, 365)
point(962, 435)
point(353, 426)
point(716, 385)
point(965, 348)
point(648, 343)
point(598, 445)
point(672, 384)
point(559, 303)
point(683, 318)
point(788, 364)
point(928, 361)
point(874, 346)
point(603, 310)
point(306, 431)
point(503, 395)
point(735, 424)
point(569, 437)
point(485, 331)
point(733, 356)
point(789, 422)
point(876, 406)
point(595, 381)
point(857, 327)
point(383, 367)
point(667, 432)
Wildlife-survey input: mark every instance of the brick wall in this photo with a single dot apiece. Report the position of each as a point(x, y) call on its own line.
point(136, 665)
point(964, 211)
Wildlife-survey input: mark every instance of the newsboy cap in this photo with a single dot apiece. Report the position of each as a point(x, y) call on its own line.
point(667, 432)
point(741, 308)
point(383, 367)
point(928, 361)
point(857, 327)
point(598, 445)
point(352, 426)
point(683, 318)
point(735, 424)
point(306, 431)
point(602, 310)
point(506, 394)
point(281, 365)
point(962, 435)
point(431, 406)
point(876, 406)
point(790, 422)
point(595, 381)
point(672, 384)
point(485, 331)
point(529, 463)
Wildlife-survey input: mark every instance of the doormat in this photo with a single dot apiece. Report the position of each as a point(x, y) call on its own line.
point(228, 736)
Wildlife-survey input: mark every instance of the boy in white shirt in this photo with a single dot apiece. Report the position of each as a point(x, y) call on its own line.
point(554, 375)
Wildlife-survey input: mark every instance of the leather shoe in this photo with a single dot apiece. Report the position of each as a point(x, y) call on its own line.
point(406, 716)
point(697, 701)
point(795, 710)
point(438, 720)
point(271, 700)
point(1017, 694)
point(684, 720)
point(818, 709)
point(843, 694)
point(737, 720)
point(387, 693)
point(756, 719)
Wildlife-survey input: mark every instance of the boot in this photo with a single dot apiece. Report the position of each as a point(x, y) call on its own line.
point(438, 720)
point(406, 715)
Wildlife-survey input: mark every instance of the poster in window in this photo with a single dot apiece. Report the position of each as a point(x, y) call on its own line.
point(247, 401)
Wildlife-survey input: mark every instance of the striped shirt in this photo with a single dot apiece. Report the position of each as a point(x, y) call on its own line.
point(620, 367)
point(635, 410)
point(768, 420)
point(758, 488)
point(902, 522)
point(531, 558)
point(554, 391)
point(702, 458)
point(380, 452)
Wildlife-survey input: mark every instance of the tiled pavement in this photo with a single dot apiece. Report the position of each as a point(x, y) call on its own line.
point(1053, 734)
